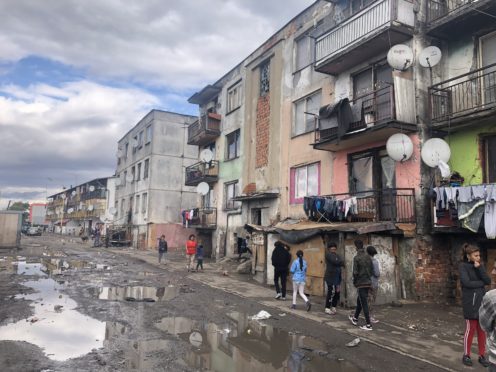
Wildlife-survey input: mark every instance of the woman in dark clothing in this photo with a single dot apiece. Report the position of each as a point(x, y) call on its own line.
point(281, 259)
point(473, 278)
point(332, 278)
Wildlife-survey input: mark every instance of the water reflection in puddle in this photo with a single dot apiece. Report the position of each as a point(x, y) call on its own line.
point(136, 293)
point(242, 344)
point(53, 266)
point(56, 327)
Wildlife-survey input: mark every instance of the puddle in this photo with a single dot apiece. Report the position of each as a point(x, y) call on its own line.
point(242, 344)
point(54, 266)
point(55, 326)
point(136, 293)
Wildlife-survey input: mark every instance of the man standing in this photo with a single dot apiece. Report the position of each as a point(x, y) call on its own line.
point(162, 247)
point(332, 278)
point(487, 321)
point(281, 259)
point(362, 272)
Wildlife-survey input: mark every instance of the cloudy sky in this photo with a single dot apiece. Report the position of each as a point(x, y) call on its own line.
point(75, 76)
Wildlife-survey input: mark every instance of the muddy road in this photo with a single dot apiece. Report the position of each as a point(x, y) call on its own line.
point(66, 306)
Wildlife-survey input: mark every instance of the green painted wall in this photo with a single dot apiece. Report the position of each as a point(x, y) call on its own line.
point(465, 156)
point(231, 170)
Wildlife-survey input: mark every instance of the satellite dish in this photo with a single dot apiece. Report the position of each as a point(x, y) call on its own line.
point(129, 177)
point(203, 188)
point(73, 193)
point(430, 56)
point(399, 147)
point(70, 210)
point(92, 188)
point(435, 150)
point(90, 207)
point(400, 57)
point(206, 155)
point(195, 339)
point(112, 211)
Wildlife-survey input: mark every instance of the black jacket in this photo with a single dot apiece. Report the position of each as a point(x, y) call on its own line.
point(333, 266)
point(363, 270)
point(162, 245)
point(280, 258)
point(473, 281)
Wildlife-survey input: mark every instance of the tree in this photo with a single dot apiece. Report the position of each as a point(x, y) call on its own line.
point(19, 206)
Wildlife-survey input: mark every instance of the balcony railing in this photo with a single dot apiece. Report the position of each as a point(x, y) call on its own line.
point(388, 205)
point(96, 194)
point(205, 130)
point(365, 27)
point(368, 110)
point(467, 94)
point(437, 9)
point(205, 218)
point(202, 172)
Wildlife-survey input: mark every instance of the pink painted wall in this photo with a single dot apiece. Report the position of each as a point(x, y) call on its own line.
point(175, 234)
point(407, 173)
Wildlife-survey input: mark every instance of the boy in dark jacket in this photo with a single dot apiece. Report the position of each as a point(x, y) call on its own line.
point(362, 273)
point(199, 257)
point(162, 247)
point(281, 259)
point(332, 278)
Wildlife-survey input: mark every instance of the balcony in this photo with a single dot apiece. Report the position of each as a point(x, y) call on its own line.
point(96, 194)
point(458, 101)
point(366, 34)
point(374, 118)
point(202, 172)
point(206, 218)
point(204, 131)
point(388, 205)
point(454, 18)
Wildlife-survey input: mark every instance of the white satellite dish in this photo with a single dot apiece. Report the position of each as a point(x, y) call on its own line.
point(399, 147)
point(434, 150)
point(206, 155)
point(90, 207)
point(400, 57)
point(430, 56)
point(70, 210)
point(112, 211)
point(73, 193)
point(203, 188)
point(92, 188)
point(129, 177)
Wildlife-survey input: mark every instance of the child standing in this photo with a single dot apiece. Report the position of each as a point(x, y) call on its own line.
point(199, 257)
point(162, 247)
point(299, 271)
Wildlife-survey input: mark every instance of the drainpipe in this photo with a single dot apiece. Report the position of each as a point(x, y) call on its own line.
point(228, 214)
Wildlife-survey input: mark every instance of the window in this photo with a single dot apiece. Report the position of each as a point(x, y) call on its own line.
point(131, 204)
point(231, 191)
point(376, 77)
point(234, 97)
point(140, 138)
point(144, 202)
point(138, 174)
point(124, 179)
point(490, 159)
point(232, 145)
point(147, 167)
point(357, 5)
point(265, 79)
point(123, 207)
point(116, 206)
point(133, 173)
point(126, 149)
point(135, 144)
point(305, 181)
point(149, 133)
point(303, 52)
point(137, 205)
point(303, 122)
point(371, 170)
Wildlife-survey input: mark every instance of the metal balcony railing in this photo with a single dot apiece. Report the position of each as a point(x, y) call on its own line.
point(388, 205)
point(202, 172)
point(369, 109)
point(463, 95)
point(353, 30)
point(204, 129)
point(437, 9)
point(96, 194)
point(204, 218)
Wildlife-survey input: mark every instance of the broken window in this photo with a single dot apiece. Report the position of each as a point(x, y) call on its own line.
point(232, 140)
point(146, 170)
point(138, 172)
point(303, 52)
point(149, 134)
point(234, 97)
point(264, 78)
point(231, 191)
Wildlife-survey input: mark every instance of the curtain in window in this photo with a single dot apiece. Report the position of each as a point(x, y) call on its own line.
point(301, 182)
point(362, 174)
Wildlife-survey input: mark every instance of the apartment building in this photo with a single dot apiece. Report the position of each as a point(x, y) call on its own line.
point(151, 191)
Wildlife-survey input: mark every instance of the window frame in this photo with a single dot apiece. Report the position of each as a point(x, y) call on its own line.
point(146, 169)
point(137, 204)
point(230, 204)
point(237, 135)
point(304, 99)
point(236, 87)
point(138, 172)
point(144, 202)
point(311, 52)
point(148, 134)
point(264, 71)
point(293, 199)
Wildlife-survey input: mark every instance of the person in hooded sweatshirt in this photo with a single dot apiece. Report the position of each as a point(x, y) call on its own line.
point(473, 280)
point(332, 277)
point(281, 258)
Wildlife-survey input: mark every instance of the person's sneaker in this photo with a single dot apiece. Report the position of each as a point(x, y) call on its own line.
point(484, 361)
point(293, 306)
point(373, 320)
point(309, 305)
point(278, 296)
point(366, 327)
point(327, 311)
point(467, 361)
point(283, 298)
point(353, 320)
point(333, 311)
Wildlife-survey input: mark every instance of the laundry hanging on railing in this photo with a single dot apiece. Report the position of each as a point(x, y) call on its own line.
point(318, 208)
point(468, 204)
point(189, 216)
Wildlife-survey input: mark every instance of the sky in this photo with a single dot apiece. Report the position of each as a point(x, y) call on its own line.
point(76, 75)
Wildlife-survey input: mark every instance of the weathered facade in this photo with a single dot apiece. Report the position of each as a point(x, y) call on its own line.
point(151, 189)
